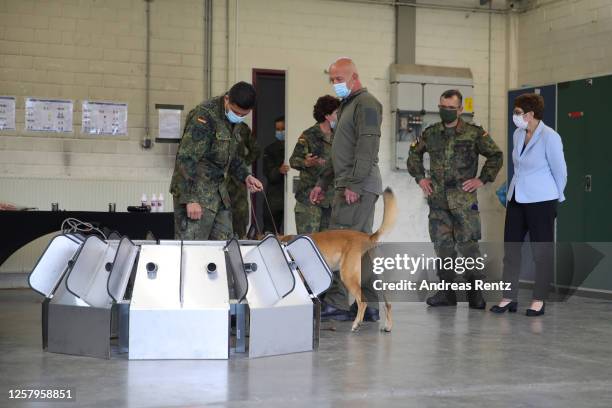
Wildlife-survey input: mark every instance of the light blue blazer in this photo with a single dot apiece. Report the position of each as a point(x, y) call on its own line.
point(540, 172)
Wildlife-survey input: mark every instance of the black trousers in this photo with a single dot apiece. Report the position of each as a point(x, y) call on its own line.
point(537, 219)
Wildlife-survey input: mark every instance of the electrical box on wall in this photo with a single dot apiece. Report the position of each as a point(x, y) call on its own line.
point(415, 95)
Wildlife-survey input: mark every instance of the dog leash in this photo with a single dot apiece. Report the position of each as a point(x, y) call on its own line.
point(254, 216)
point(269, 211)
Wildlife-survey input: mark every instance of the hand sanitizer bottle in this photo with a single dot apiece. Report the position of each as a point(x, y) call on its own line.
point(153, 203)
point(160, 203)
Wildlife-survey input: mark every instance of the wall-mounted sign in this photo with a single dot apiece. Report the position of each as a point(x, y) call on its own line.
point(48, 115)
point(7, 113)
point(169, 122)
point(104, 118)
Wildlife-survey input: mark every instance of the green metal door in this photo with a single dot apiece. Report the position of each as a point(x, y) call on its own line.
point(598, 217)
point(572, 98)
point(584, 113)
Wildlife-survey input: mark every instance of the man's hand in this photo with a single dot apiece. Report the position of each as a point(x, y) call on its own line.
point(7, 207)
point(426, 186)
point(283, 169)
point(311, 161)
point(350, 196)
point(472, 185)
point(316, 195)
point(253, 184)
point(194, 211)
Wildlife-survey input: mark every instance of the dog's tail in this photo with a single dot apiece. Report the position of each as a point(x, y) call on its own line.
point(389, 216)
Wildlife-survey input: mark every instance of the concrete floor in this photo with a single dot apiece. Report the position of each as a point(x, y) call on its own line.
point(450, 357)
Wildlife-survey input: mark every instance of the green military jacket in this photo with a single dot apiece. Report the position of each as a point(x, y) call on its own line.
point(205, 157)
point(273, 158)
point(355, 146)
point(248, 150)
point(311, 141)
point(454, 160)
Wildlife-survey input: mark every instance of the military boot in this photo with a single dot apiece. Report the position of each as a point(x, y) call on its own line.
point(443, 298)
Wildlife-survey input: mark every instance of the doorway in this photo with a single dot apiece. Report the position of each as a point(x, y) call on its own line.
point(270, 105)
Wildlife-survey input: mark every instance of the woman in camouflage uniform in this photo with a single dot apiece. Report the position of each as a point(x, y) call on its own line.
point(311, 153)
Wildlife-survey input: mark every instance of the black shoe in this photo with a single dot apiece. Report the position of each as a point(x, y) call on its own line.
point(443, 298)
point(532, 313)
point(475, 299)
point(331, 312)
point(510, 307)
point(371, 314)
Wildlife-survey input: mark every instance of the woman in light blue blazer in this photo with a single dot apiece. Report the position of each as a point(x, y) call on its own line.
point(536, 188)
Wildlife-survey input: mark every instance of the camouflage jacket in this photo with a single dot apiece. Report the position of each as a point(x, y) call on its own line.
point(248, 150)
point(205, 157)
point(311, 141)
point(454, 160)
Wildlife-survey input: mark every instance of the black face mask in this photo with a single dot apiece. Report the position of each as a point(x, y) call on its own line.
point(448, 115)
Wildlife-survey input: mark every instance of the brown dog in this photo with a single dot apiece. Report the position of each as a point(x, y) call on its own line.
point(343, 249)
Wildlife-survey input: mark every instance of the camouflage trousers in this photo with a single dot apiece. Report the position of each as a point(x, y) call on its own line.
point(240, 207)
point(453, 230)
point(311, 218)
point(213, 226)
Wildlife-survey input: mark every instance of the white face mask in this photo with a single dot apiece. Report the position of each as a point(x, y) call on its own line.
point(519, 121)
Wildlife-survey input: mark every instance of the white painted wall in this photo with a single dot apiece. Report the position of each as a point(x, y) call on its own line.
point(566, 40)
point(94, 50)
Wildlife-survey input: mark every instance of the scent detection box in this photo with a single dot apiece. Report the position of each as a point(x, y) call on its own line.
point(315, 273)
point(180, 303)
point(74, 275)
point(173, 300)
point(239, 286)
point(283, 318)
point(310, 263)
point(49, 274)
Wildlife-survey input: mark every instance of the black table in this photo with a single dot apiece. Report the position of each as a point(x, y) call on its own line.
point(17, 228)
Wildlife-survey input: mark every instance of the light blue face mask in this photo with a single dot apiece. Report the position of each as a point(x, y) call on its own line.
point(341, 90)
point(280, 135)
point(332, 124)
point(232, 117)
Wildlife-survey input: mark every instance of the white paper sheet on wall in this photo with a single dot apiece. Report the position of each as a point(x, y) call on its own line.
point(104, 118)
point(7, 113)
point(48, 115)
point(169, 123)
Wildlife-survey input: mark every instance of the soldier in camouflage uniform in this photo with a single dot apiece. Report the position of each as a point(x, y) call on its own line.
point(311, 153)
point(248, 151)
point(275, 169)
point(205, 158)
point(454, 221)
